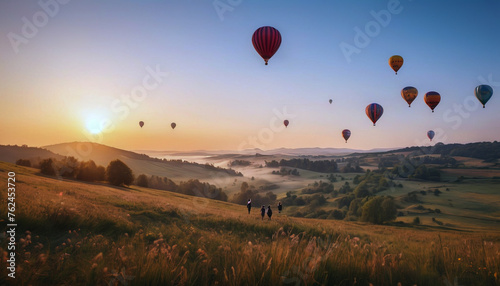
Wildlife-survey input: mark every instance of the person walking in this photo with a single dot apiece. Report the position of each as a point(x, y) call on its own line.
point(263, 211)
point(280, 207)
point(269, 212)
point(249, 205)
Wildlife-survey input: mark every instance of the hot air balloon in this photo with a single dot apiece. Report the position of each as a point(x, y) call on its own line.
point(432, 99)
point(141, 123)
point(266, 41)
point(483, 93)
point(430, 134)
point(286, 122)
point(396, 62)
point(330, 101)
point(409, 94)
point(173, 125)
point(374, 111)
point(346, 133)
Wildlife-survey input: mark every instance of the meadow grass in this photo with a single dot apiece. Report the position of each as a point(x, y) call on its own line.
point(75, 233)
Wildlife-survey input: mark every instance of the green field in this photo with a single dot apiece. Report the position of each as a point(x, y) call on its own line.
point(92, 234)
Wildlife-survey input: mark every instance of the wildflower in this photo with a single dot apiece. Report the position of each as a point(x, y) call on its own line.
point(97, 257)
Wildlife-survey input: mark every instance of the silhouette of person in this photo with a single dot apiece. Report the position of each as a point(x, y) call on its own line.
point(249, 205)
point(263, 211)
point(269, 212)
point(280, 207)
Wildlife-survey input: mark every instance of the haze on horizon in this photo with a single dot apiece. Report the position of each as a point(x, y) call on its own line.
point(71, 76)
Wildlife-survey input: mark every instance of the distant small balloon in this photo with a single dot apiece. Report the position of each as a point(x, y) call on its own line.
point(141, 123)
point(330, 101)
point(173, 125)
point(346, 133)
point(432, 98)
point(396, 62)
point(286, 122)
point(430, 134)
point(483, 93)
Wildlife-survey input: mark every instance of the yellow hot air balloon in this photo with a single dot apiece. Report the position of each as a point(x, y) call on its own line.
point(409, 94)
point(396, 62)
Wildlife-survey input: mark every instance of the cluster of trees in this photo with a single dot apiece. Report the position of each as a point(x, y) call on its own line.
point(422, 172)
point(285, 171)
point(313, 201)
point(192, 187)
point(322, 166)
point(258, 198)
point(239, 163)
point(319, 187)
point(117, 173)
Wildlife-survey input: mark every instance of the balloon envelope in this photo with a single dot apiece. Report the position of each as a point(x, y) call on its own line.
point(266, 41)
point(409, 94)
point(374, 111)
point(483, 93)
point(430, 134)
point(330, 101)
point(141, 123)
point(432, 98)
point(396, 62)
point(346, 133)
point(286, 122)
point(173, 125)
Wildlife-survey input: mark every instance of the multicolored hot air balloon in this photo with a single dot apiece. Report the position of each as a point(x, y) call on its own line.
point(173, 125)
point(141, 123)
point(483, 93)
point(286, 122)
point(374, 111)
point(396, 62)
point(346, 133)
point(409, 94)
point(330, 101)
point(430, 134)
point(432, 99)
point(266, 41)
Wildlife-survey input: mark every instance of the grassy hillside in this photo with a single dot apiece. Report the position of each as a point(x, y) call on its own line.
point(72, 233)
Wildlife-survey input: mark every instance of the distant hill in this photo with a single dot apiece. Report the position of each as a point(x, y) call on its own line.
point(489, 151)
point(139, 163)
point(12, 153)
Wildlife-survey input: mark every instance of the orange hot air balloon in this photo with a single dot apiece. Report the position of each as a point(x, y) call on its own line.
point(409, 94)
point(432, 98)
point(286, 122)
point(266, 41)
point(141, 123)
point(396, 62)
point(374, 111)
point(346, 133)
point(173, 125)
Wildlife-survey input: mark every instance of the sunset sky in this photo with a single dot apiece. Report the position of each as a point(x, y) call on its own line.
point(77, 71)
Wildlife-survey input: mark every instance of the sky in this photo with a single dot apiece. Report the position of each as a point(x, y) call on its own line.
point(91, 70)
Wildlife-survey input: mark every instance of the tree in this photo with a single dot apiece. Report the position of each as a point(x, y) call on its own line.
point(244, 187)
point(118, 173)
point(23, 162)
point(142, 181)
point(379, 210)
point(47, 168)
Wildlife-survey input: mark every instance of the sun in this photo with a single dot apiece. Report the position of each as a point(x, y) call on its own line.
point(95, 121)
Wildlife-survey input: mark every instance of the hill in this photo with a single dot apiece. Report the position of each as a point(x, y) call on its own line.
point(176, 170)
point(69, 232)
point(12, 153)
